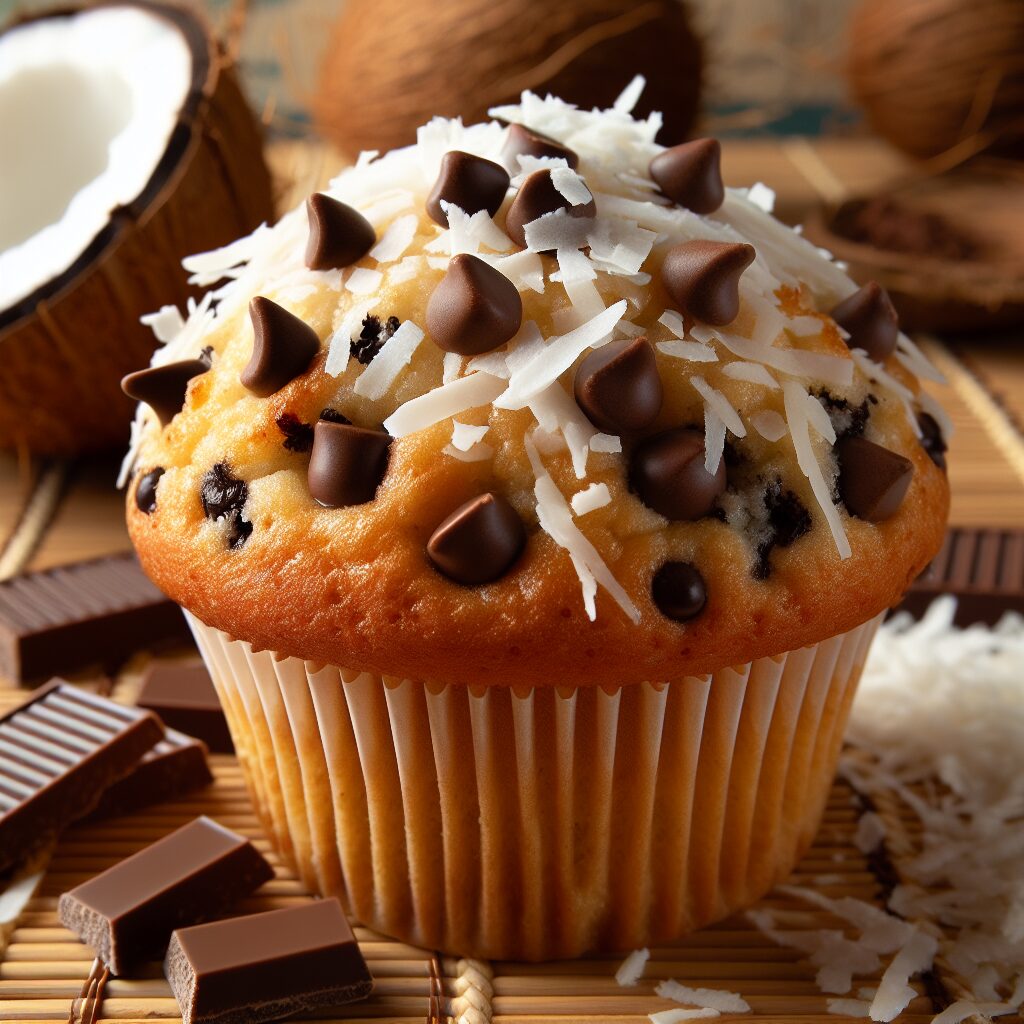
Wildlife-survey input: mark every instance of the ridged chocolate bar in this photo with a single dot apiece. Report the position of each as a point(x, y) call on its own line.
point(982, 568)
point(58, 752)
point(88, 613)
point(182, 694)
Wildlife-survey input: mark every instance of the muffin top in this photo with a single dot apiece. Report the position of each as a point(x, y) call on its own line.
point(534, 402)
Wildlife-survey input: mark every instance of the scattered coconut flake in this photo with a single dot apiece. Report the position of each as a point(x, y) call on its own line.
point(870, 832)
point(798, 419)
point(363, 281)
point(693, 351)
point(722, 406)
point(677, 1016)
point(964, 1008)
point(586, 302)
point(387, 206)
point(752, 373)
point(554, 409)
point(804, 326)
point(339, 344)
point(761, 196)
point(631, 970)
point(406, 270)
point(396, 239)
point(210, 266)
point(467, 233)
point(557, 230)
point(911, 356)
point(606, 443)
point(449, 399)
point(877, 372)
point(714, 439)
point(630, 96)
point(451, 367)
point(395, 354)
point(556, 520)
point(674, 322)
point(571, 186)
point(894, 992)
point(493, 363)
point(707, 998)
point(593, 497)
point(166, 323)
point(573, 266)
point(480, 452)
point(524, 268)
point(619, 246)
point(849, 1007)
point(769, 424)
point(465, 435)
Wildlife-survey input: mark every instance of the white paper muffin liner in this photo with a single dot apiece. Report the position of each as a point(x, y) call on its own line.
point(539, 823)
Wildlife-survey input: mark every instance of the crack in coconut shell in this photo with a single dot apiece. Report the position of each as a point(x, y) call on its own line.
point(66, 345)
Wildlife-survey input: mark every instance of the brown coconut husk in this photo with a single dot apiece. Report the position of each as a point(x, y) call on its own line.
point(64, 349)
point(391, 65)
point(949, 249)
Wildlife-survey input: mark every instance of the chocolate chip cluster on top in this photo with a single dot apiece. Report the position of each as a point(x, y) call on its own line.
point(574, 334)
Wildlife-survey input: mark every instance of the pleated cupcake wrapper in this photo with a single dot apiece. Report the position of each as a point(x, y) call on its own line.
point(539, 823)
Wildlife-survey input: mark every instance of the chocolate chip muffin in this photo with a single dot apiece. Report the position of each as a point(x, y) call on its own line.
point(534, 500)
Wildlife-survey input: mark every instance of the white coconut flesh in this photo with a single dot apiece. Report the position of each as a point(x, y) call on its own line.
point(88, 104)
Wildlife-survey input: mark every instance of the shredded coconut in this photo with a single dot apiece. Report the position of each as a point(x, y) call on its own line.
point(707, 998)
point(677, 1016)
point(447, 400)
point(396, 353)
point(593, 497)
point(631, 970)
point(396, 239)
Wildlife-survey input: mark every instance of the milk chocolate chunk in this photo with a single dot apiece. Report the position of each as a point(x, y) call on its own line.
point(338, 235)
point(618, 387)
point(523, 141)
point(474, 309)
point(266, 966)
point(932, 440)
point(283, 348)
point(223, 496)
point(145, 490)
point(127, 913)
point(58, 752)
point(175, 766)
point(88, 613)
point(163, 388)
point(347, 465)
point(667, 472)
point(182, 694)
point(690, 174)
point(479, 541)
point(536, 197)
point(678, 590)
point(468, 182)
point(873, 481)
point(703, 278)
point(870, 319)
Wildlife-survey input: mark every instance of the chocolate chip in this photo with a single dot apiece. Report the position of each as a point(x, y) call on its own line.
point(679, 591)
point(690, 174)
point(618, 387)
point(479, 541)
point(372, 337)
point(283, 348)
point(474, 309)
point(703, 278)
point(667, 472)
point(536, 197)
point(523, 141)
point(338, 235)
point(333, 416)
point(298, 436)
point(869, 318)
point(932, 440)
point(847, 420)
point(873, 480)
point(145, 490)
point(788, 521)
point(470, 183)
point(347, 464)
point(223, 496)
point(163, 388)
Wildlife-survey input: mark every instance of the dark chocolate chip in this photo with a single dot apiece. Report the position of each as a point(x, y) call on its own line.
point(372, 337)
point(667, 472)
point(690, 174)
point(873, 480)
point(145, 490)
point(703, 278)
point(223, 496)
point(536, 197)
point(338, 235)
point(347, 464)
point(869, 318)
point(788, 521)
point(847, 420)
point(283, 348)
point(474, 309)
point(163, 388)
point(679, 591)
point(298, 436)
point(932, 440)
point(470, 183)
point(239, 529)
point(523, 141)
point(479, 541)
point(333, 416)
point(618, 387)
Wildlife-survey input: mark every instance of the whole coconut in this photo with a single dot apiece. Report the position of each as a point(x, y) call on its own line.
point(393, 64)
point(932, 74)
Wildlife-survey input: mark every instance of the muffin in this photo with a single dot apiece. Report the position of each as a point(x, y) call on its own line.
point(534, 500)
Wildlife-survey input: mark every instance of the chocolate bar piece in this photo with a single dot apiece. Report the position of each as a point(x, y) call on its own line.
point(983, 569)
point(126, 915)
point(175, 766)
point(266, 966)
point(69, 618)
point(182, 694)
point(58, 752)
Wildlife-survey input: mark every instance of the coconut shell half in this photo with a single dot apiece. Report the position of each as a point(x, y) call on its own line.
point(65, 346)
